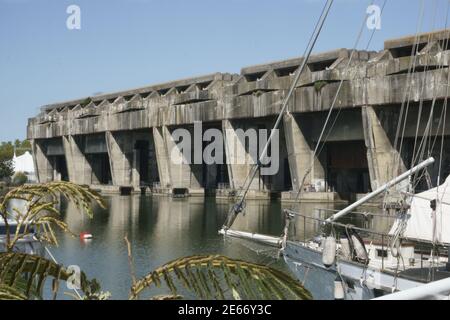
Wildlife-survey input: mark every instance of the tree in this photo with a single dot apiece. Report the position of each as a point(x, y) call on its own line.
point(7, 154)
point(6, 151)
point(6, 169)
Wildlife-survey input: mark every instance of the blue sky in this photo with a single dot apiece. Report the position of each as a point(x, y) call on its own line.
point(130, 43)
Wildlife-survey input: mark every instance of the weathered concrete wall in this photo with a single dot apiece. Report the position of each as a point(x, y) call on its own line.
point(376, 87)
point(79, 168)
point(181, 175)
point(384, 161)
point(43, 166)
point(305, 167)
point(162, 158)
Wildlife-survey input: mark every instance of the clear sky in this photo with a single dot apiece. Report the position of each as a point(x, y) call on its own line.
point(130, 43)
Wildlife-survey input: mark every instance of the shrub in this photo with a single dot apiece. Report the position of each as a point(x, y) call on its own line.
point(19, 179)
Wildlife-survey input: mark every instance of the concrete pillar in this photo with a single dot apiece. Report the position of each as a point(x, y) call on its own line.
point(78, 167)
point(121, 156)
point(56, 175)
point(162, 157)
point(44, 169)
point(135, 175)
point(238, 160)
point(383, 160)
point(182, 175)
point(300, 156)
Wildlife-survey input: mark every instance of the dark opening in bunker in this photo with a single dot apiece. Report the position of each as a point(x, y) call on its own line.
point(96, 153)
point(180, 192)
point(347, 171)
point(101, 169)
point(427, 178)
point(142, 148)
point(60, 166)
point(56, 157)
point(214, 175)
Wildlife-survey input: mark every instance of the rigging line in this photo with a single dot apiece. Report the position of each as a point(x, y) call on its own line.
point(407, 93)
point(241, 188)
point(255, 167)
point(424, 77)
point(432, 145)
point(407, 111)
point(428, 130)
point(236, 209)
point(445, 111)
point(315, 153)
point(427, 135)
point(445, 46)
point(339, 110)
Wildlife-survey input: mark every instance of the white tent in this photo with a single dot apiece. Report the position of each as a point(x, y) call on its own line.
point(25, 164)
point(423, 223)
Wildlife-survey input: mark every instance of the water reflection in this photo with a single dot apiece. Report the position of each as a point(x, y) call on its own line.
point(161, 229)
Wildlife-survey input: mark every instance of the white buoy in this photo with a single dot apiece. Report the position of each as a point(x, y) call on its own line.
point(85, 236)
point(345, 248)
point(339, 292)
point(329, 251)
point(361, 253)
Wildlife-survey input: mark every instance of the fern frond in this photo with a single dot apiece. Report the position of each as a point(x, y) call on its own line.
point(23, 276)
point(40, 211)
point(241, 280)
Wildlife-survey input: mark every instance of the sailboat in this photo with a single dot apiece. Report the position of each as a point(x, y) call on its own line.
point(355, 268)
point(349, 262)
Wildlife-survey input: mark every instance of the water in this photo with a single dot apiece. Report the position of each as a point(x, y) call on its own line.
point(162, 229)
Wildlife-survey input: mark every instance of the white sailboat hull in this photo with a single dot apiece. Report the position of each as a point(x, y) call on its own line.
point(360, 282)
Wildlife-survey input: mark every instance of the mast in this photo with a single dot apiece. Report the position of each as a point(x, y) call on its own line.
point(239, 206)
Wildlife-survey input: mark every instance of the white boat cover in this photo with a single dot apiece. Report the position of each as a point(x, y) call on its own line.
point(423, 223)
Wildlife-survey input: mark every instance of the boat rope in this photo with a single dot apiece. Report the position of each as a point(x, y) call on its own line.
point(239, 206)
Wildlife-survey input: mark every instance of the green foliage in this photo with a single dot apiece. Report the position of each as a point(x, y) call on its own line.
point(22, 276)
point(7, 149)
point(7, 153)
point(19, 179)
point(219, 277)
point(85, 102)
point(318, 85)
point(41, 213)
point(6, 169)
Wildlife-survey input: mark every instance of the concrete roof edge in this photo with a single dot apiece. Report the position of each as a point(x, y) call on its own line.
point(144, 89)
